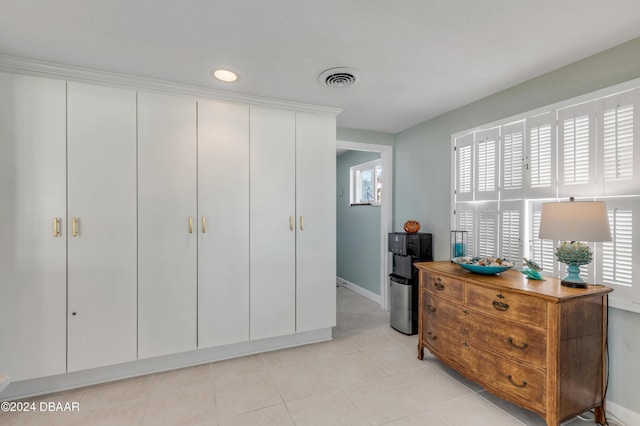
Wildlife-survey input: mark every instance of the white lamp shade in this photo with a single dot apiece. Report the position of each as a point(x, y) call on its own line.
point(575, 221)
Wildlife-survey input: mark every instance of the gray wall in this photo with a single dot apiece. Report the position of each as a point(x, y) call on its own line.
point(422, 180)
point(364, 136)
point(358, 229)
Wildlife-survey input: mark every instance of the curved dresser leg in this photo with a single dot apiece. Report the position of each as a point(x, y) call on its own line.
point(600, 417)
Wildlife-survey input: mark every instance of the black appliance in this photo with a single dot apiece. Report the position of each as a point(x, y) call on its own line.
point(403, 281)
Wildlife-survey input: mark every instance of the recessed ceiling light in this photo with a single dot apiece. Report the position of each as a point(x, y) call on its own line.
point(225, 75)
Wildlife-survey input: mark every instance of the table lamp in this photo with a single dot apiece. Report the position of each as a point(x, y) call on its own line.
point(574, 223)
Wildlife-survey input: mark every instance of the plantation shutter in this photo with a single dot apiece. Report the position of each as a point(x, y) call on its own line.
point(619, 258)
point(465, 215)
point(618, 141)
point(464, 168)
point(576, 150)
point(511, 161)
point(540, 159)
point(486, 164)
point(487, 229)
point(511, 231)
point(541, 251)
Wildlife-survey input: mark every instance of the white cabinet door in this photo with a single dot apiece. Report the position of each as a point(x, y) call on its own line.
point(223, 209)
point(33, 277)
point(167, 228)
point(316, 210)
point(101, 180)
point(272, 222)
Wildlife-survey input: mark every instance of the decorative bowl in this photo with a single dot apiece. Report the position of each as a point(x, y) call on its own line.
point(481, 269)
point(411, 226)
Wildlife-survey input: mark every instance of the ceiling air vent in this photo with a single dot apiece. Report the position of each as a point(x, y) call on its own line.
point(339, 77)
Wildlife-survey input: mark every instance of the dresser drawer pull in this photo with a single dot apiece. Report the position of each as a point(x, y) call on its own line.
point(431, 308)
point(438, 285)
point(501, 306)
point(431, 336)
point(518, 385)
point(522, 346)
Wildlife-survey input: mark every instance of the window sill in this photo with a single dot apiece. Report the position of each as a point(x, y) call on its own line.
point(364, 204)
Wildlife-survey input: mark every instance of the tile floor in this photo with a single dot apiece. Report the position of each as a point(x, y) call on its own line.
point(368, 375)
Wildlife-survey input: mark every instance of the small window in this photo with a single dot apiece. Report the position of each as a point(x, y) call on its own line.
point(366, 183)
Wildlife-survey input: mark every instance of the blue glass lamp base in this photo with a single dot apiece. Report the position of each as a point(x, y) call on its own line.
point(572, 279)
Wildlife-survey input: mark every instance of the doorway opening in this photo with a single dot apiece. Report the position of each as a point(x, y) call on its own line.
point(386, 211)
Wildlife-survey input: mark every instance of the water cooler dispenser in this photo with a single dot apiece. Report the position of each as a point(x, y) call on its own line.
point(403, 281)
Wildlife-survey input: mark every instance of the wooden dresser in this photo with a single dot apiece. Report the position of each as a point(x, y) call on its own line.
point(535, 343)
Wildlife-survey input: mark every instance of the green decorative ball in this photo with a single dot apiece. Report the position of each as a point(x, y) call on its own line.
point(574, 253)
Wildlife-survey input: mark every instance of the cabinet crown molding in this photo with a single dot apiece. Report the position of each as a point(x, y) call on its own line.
point(26, 66)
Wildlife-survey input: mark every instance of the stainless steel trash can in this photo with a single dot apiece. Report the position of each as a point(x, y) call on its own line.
point(403, 304)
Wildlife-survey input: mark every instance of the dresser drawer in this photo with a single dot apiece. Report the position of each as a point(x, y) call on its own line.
point(443, 286)
point(507, 305)
point(509, 338)
point(445, 343)
point(444, 313)
point(509, 379)
point(525, 343)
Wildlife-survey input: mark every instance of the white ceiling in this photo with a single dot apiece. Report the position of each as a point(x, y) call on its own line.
point(418, 58)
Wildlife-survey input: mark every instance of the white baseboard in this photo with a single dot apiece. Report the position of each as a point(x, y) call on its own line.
point(62, 382)
point(360, 290)
point(622, 415)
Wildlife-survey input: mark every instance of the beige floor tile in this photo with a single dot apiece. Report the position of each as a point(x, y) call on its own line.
point(371, 340)
point(44, 416)
point(185, 407)
point(287, 358)
point(394, 359)
point(430, 385)
point(121, 414)
point(179, 379)
point(113, 393)
point(236, 395)
point(423, 418)
point(243, 366)
point(332, 348)
point(277, 415)
point(74, 395)
point(325, 409)
point(473, 410)
point(409, 342)
point(298, 383)
point(383, 400)
point(350, 369)
point(38, 418)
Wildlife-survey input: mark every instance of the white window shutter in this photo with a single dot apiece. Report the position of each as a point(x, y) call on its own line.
point(618, 259)
point(512, 161)
point(465, 220)
point(487, 229)
point(576, 150)
point(511, 230)
point(486, 164)
point(540, 158)
point(618, 141)
point(464, 168)
point(542, 251)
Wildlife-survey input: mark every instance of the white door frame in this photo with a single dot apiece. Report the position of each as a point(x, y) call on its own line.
point(386, 208)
